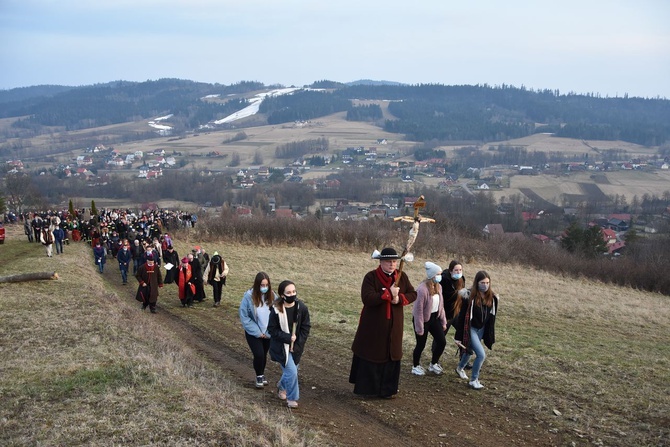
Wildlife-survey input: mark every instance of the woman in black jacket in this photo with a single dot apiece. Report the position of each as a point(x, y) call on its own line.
point(475, 322)
point(289, 327)
point(452, 281)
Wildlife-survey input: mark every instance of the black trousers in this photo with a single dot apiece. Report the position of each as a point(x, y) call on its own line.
point(217, 288)
point(259, 348)
point(434, 328)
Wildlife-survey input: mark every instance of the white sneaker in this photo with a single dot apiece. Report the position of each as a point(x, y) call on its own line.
point(476, 385)
point(461, 373)
point(435, 368)
point(418, 370)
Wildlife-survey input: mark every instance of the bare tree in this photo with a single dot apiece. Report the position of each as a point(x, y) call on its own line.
point(21, 193)
point(235, 159)
point(258, 157)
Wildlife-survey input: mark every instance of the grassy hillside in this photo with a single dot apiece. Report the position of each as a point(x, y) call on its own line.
point(580, 362)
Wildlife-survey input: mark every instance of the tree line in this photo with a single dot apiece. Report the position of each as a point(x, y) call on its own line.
point(423, 112)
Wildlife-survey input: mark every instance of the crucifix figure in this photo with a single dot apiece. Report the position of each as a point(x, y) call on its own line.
point(413, 232)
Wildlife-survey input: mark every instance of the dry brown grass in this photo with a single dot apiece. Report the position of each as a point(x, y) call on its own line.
point(82, 365)
point(596, 353)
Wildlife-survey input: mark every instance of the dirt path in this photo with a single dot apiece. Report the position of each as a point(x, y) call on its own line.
point(429, 410)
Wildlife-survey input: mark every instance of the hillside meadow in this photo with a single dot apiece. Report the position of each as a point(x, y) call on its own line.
point(585, 363)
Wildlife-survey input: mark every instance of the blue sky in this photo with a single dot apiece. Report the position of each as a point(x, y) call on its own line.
point(610, 47)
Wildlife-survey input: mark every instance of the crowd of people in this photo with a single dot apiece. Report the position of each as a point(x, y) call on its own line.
point(278, 322)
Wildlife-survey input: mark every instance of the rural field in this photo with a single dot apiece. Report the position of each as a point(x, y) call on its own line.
point(622, 183)
point(64, 147)
point(576, 363)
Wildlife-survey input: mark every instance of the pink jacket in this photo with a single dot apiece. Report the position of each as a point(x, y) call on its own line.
point(422, 307)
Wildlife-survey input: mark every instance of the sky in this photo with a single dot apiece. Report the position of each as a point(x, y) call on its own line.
point(607, 47)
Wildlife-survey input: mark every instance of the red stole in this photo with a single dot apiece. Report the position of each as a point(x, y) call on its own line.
point(387, 281)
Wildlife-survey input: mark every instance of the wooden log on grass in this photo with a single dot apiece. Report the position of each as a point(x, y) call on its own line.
point(22, 277)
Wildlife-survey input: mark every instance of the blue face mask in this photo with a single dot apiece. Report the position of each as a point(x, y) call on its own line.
point(264, 289)
point(437, 279)
point(482, 287)
point(456, 276)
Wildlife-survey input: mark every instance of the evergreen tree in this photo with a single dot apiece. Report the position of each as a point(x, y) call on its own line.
point(94, 210)
point(589, 242)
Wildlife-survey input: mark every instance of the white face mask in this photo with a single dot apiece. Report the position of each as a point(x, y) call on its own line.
point(437, 279)
point(456, 276)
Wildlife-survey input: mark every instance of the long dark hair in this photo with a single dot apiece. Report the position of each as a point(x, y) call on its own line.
point(460, 283)
point(481, 298)
point(256, 295)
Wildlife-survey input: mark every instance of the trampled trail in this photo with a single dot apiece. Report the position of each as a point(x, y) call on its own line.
point(429, 410)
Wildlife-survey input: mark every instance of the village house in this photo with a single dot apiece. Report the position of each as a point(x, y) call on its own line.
point(243, 211)
point(609, 236)
point(154, 173)
point(116, 162)
point(16, 165)
point(84, 160)
point(408, 202)
point(493, 230)
point(247, 183)
point(390, 202)
point(541, 238)
point(378, 212)
point(284, 212)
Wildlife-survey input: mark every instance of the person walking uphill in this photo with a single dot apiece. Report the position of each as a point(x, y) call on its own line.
point(476, 321)
point(429, 317)
point(185, 284)
point(47, 239)
point(254, 316)
point(150, 280)
point(217, 271)
point(100, 256)
point(289, 327)
point(124, 256)
point(377, 346)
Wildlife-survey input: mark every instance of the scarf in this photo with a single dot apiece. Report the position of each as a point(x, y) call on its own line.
point(283, 324)
point(387, 281)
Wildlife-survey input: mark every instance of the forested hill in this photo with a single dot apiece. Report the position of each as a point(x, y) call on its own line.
point(422, 112)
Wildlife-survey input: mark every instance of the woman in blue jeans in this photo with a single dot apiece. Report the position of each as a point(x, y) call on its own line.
point(476, 320)
point(289, 327)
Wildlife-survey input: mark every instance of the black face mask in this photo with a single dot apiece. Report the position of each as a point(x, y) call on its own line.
point(290, 299)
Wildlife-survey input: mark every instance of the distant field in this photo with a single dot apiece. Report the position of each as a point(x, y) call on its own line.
point(339, 132)
point(626, 183)
point(342, 134)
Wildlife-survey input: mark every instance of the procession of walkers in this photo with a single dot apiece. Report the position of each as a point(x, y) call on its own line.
point(277, 322)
